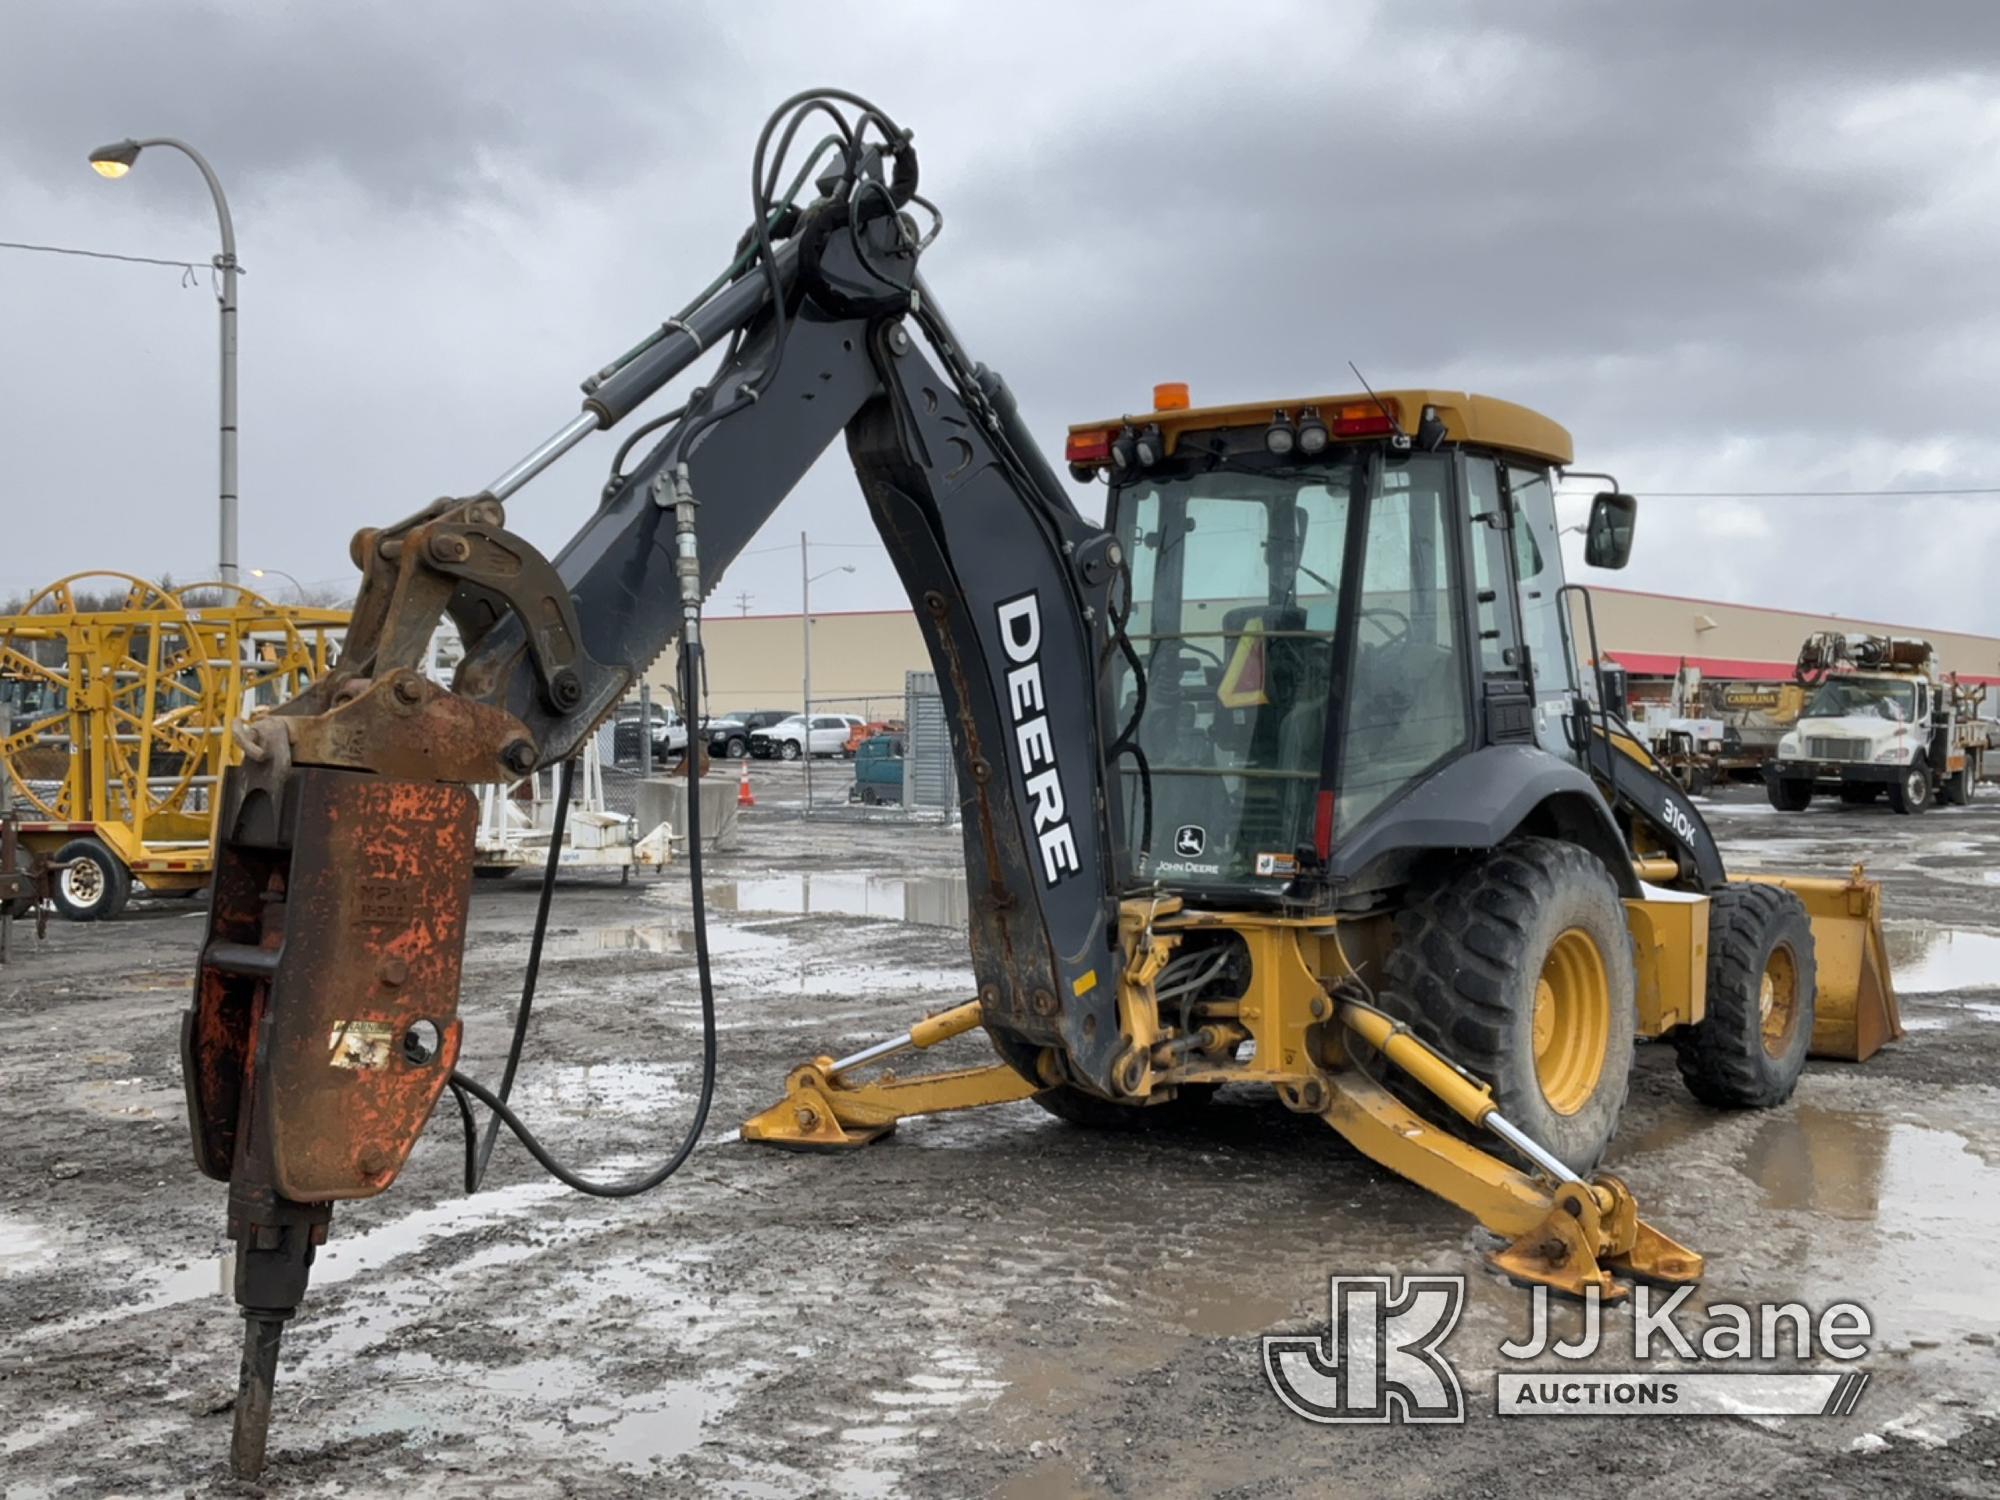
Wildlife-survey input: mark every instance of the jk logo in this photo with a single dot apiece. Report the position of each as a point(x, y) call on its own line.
point(1379, 1361)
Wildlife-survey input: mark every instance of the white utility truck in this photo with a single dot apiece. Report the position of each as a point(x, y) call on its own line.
point(1881, 719)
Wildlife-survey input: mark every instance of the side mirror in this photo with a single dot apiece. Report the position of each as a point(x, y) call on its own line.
point(1607, 539)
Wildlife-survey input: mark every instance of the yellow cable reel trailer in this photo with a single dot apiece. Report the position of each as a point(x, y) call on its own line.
point(120, 695)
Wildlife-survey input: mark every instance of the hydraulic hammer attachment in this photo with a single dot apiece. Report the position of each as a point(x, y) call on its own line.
point(1570, 1236)
point(324, 1022)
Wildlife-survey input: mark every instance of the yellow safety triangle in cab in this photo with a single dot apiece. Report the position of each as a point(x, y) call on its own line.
point(1242, 683)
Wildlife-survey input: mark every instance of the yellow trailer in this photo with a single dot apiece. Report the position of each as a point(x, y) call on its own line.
point(121, 722)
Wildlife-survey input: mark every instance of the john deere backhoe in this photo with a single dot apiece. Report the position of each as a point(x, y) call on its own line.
point(1281, 774)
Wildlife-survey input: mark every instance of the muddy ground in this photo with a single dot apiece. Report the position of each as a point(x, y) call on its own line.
point(986, 1304)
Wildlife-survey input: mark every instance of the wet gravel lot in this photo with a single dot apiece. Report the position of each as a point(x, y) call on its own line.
point(991, 1303)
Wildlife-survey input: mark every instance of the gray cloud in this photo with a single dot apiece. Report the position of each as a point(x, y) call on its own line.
point(1732, 247)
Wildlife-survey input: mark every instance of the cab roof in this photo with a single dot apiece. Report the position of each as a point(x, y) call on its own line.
point(1482, 420)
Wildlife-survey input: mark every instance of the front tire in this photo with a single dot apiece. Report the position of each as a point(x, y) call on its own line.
point(789, 750)
point(1519, 968)
point(736, 747)
point(1790, 793)
point(1910, 792)
point(1750, 1046)
point(95, 886)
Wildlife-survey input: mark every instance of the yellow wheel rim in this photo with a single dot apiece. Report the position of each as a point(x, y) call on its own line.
point(1572, 1022)
point(1778, 1001)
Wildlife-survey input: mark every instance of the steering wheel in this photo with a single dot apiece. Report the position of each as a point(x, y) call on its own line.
point(1389, 637)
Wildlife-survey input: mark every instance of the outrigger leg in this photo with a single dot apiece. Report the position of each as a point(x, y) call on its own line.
point(822, 1111)
point(1564, 1233)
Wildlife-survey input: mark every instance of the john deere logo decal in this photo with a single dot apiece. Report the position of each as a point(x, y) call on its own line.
point(1189, 840)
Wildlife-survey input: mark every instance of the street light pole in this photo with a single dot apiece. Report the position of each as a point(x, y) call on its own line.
point(115, 161)
point(300, 588)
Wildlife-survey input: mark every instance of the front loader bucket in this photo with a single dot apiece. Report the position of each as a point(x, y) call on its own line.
point(1855, 1012)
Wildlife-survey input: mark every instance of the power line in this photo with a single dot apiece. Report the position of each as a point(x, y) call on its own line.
point(139, 260)
point(1795, 494)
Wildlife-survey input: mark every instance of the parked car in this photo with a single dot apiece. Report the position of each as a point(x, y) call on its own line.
point(878, 771)
point(730, 735)
point(868, 731)
point(669, 735)
point(787, 738)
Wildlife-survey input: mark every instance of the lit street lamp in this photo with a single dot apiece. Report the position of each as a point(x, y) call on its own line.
point(115, 161)
point(806, 581)
point(280, 572)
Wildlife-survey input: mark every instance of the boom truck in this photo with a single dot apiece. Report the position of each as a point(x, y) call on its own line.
point(1882, 719)
point(1277, 774)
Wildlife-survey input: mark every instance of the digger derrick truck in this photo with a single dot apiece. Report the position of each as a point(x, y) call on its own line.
point(1278, 775)
point(1881, 719)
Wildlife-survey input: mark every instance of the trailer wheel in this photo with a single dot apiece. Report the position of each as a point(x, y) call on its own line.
point(1790, 793)
point(1519, 968)
point(1748, 1050)
point(1910, 792)
point(95, 886)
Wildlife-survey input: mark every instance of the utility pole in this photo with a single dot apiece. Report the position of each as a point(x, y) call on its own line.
point(743, 598)
point(806, 686)
point(806, 578)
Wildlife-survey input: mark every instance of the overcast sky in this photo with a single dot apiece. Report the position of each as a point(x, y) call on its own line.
point(1732, 247)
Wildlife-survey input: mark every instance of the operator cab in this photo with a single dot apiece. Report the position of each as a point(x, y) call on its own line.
point(1332, 598)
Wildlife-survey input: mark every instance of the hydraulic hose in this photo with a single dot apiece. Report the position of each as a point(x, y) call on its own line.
point(463, 1087)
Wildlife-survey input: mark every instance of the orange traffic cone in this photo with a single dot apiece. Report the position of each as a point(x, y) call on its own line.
point(743, 797)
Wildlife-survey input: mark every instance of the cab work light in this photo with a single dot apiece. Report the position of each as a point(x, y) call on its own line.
point(1280, 437)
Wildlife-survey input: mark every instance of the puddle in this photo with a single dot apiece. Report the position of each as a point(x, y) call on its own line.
point(341, 1259)
point(1920, 1189)
point(928, 900)
point(655, 937)
point(23, 1247)
point(1929, 960)
point(494, 1404)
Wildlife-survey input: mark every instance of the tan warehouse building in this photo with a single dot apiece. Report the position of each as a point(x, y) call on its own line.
point(860, 657)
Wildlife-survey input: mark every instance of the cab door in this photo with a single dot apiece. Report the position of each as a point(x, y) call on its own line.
point(1538, 576)
point(1506, 688)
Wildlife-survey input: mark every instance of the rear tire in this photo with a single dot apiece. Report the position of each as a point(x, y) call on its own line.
point(1519, 968)
point(1749, 1048)
point(1859, 793)
point(1957, 788)
point(96, 885)
point(1790, 793)
point(1910, 792)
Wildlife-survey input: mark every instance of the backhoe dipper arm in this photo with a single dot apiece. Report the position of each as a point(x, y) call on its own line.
point(1009, 583)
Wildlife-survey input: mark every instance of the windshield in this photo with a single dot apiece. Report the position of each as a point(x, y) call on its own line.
point(1884, 698)
point(1239, 577)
